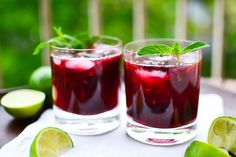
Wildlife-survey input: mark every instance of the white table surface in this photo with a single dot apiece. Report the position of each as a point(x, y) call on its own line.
point(115, 143)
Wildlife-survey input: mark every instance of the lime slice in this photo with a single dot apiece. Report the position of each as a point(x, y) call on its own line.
point(50, 142)
point(222, 133)
point(200, 149)
point(23, 103)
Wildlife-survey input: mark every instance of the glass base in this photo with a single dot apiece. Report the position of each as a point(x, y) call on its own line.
point(154, 136)
point(87, 124)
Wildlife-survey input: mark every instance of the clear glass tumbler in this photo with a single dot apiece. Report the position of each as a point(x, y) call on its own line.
point(86, 87)
point(162, 94)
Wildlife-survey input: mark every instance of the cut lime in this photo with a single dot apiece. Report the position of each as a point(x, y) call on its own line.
point(50, 142)
point(222, 133)
point(200, 149)
point(23, 103)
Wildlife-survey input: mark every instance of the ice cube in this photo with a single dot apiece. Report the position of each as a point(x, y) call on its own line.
point(156, 60)
point(78, 64)
point(164, 60)
point(153, 73)
point(56, 61)
point(90, 55)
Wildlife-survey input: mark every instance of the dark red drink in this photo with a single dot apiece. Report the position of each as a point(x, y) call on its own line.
point(86, 83)
point(162, 96)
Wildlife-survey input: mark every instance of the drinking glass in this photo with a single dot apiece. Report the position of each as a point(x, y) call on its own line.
point(162, 93)
point(86, 87)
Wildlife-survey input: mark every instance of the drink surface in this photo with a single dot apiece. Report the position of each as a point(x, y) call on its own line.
point(86, 83)
point(163, 95)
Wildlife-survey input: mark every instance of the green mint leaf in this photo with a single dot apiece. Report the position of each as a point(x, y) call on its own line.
point(87, 40)
point(58, 31)
point(94, 39)
point(197, 45)
point(53, 41)
point(176, 48)
point(82, 41)
point(83, 35)
point(160, 49)
point(40, 47)
point(56, 42)
point(72, 42)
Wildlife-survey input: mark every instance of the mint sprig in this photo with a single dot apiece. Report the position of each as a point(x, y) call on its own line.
point(80, 41)
point(175, 49)
point(160, 49)
point(194, 47)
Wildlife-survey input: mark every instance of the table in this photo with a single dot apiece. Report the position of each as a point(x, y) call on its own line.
point(10, 127)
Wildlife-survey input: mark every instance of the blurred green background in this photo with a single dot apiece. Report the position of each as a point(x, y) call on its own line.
point(20, 32)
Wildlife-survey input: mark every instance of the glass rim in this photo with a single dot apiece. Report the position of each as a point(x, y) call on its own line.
point(153, 40)
point(131, 49)
point(106, 37)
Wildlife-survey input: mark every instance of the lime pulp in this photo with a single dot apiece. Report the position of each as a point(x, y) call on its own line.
point(222, 133)
point(23, 103)
point(50, 142)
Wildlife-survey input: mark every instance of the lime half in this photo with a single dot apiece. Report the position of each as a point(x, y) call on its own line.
point(23, 103)
point(200, 149)
point(222, 133)
point(50, 142)
point(41, 80)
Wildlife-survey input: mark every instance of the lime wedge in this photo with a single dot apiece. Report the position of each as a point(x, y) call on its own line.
point(200, 149)
point(222, 133)
point(50, 142)
point(23, 103)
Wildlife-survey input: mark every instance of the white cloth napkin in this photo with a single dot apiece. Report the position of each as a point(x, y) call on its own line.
point(115, 143)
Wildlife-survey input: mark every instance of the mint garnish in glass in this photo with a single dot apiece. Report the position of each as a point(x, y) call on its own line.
point(81, 41)
point(174, 50)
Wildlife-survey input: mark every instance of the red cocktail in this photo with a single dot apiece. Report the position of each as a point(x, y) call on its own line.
point(161, 94)
point(86, 83)
point(162, 97)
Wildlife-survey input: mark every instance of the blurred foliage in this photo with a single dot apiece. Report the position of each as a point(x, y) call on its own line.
point(230, 40)
point(20, 29)
point(19, 35)
point(199, 27)
point(70, 15)
point(117, 19)
point(160, 18)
